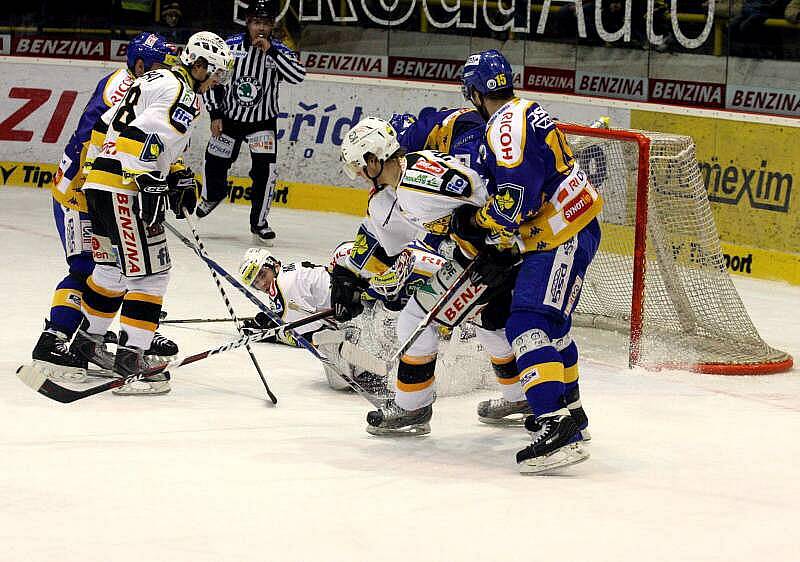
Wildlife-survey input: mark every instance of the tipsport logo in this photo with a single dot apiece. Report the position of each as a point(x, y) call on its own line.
point(313, 125)
point(768, 190)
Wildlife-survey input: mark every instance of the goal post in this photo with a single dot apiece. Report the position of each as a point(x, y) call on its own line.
point(659, 274)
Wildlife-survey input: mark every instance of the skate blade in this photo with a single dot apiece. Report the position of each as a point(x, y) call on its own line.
point(57, 372)
point(585, 435)
point(410, 431)
point(260, 241)
point(567, 455)
point(140, 388)
point(513, 420)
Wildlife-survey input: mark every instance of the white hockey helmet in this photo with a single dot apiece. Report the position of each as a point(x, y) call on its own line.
point(370, 135)
point(212, 48)
point(255, 259)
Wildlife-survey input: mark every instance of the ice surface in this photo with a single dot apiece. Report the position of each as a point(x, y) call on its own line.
point(683, 467)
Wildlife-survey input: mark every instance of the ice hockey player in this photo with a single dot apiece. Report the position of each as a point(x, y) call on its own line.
point(131, 183)
point(540, 194)
point(146, 51)
point(460, 132)
point(455, 131)
point(413, 196)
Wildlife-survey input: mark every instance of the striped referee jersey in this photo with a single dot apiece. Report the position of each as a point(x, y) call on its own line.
point(251, 95)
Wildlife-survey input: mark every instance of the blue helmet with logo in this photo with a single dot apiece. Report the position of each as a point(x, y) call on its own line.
point(151, 48)
point(487, 72)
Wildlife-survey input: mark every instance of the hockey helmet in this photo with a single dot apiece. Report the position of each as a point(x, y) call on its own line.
point(370, 135)
point(151, 48)
point(254, 261)
point(213, 49)
point(487, 72)
point(267, 9)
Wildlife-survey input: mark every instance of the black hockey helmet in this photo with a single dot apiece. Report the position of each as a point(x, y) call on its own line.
point(262, 9)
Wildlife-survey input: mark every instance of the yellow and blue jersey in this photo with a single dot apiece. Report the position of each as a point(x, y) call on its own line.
point(70, 176)
point(453, 131)
point(537, 188)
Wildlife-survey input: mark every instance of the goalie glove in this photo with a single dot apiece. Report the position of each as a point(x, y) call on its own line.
point(151, 200)
point(346, 289)
point(182, 192)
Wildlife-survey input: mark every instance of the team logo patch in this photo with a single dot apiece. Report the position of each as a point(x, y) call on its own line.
point(152, 149)
point(439, 226)
point(458, 185)
point(247, 91)
point(429, 166)
point(363, 246)
point(508, 201)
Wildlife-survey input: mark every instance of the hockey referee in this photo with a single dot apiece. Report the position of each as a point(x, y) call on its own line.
point(245, 110)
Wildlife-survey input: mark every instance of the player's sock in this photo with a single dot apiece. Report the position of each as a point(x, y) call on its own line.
point(65, 309)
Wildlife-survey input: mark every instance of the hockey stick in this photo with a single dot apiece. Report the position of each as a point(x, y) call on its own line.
point(43, 385)
point(365, 360)
point(201, 320)
point(303, 342)
point(201, 251)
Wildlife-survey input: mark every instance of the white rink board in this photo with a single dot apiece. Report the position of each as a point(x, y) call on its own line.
point(316, 114)
point(683, 467)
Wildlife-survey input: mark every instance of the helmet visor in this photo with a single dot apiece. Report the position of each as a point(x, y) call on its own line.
point(223, 75)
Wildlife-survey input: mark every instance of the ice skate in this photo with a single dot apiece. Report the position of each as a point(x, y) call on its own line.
point(391, 419)
point(92, 348)
point(556, 443)
point(53, 358)
point(499, 411)
point(573, 400)
point(130, 361)
point(263, 235)
point(205, 207)
point(161, 349)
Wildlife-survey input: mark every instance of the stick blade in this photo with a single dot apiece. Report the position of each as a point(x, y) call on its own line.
point(363, 359)
point(31, 376)
point(39, 382)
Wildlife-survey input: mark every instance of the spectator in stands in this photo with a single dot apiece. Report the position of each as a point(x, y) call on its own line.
point(748, 35)
point(172, 24)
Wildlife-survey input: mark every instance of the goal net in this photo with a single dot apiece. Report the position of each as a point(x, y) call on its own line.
point(659, 274)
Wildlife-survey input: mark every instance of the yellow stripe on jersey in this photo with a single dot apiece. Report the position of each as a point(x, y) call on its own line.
point(141, 324)
point(416, 387)
point(144, 297)
point(108, 293)
point(541, 373)
point(99, 179)
point(70, 298)
point(130, 147)
point(562, 152)
point(571, 373)
point(100, 314)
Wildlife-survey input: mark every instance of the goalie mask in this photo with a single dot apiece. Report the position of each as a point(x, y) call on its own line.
point(370, 136)
point(254, 267)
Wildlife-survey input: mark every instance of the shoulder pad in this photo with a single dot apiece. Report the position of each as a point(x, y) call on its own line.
point(506, 131)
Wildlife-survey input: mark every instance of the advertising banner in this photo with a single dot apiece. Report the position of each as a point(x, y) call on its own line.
point(549, 80)
point(338, 63)
point(749, 170)
point(682, 92)
point(610, 86)
point(5, 44)
point(763, 100)
point(72, 48)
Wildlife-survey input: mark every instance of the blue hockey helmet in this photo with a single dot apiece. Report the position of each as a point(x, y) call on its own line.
point(151, 48)
point(402, 121)
point(487, 72)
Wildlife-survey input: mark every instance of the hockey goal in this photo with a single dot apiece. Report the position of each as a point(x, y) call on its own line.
point(659, 274)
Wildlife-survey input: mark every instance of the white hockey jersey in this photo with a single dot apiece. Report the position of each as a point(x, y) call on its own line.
point(432, 186)
point(147, 131)
point(300, 289)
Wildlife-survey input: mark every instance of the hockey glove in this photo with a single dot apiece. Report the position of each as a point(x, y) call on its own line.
point(256, 325)
point(463, 226)
point(182, 192)
point(151, 201)
point(346, 289)
point(494, 266)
